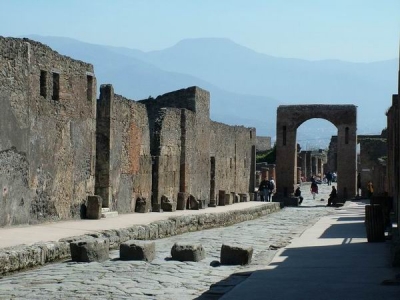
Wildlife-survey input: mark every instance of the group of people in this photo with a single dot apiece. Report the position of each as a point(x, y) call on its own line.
point(314, 192)
point(266, 189)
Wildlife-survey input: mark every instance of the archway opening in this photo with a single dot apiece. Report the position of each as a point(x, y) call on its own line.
point(313, 158)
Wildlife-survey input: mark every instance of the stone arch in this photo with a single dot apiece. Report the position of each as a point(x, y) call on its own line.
point(289, 118)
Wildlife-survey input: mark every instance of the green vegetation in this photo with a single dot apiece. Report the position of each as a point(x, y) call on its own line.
point(268, 156)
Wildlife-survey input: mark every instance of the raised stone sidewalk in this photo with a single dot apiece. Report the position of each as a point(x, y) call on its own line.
point(21, 248)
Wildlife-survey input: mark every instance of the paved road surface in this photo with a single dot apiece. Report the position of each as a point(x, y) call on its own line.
point(164, 278)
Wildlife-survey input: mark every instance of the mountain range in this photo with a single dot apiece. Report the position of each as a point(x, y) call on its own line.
point(246, 87)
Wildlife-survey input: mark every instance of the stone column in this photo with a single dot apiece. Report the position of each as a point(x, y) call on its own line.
point(298, 175)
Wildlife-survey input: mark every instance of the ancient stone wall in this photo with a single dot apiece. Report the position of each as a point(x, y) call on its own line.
point(180, 142)
point(232, 148)
point(51, 126)
point(263, 143)
point(123, 166)
point(47, 121)
point(167, 162)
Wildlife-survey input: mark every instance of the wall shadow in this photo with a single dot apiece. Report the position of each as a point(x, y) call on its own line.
point(344, 269)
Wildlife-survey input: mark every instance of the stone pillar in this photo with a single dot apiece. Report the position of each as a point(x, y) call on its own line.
point(303, 166)
point(103, 144)
point(319, 167)
point(314, 165)
point(309, 165)
point(298, 175)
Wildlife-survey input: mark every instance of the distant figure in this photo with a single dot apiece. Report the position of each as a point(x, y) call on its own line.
point(334, 177)
point(358, 184)
point(271, 188)
point(332, 197)
point(329, 178)
point(314, 189)
point(370, 189)
point(297, 193)
point(264, 189)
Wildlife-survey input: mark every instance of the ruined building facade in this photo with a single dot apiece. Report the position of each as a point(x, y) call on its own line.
point(59, 144)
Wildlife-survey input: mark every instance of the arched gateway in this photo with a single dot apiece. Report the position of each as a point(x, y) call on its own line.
point(289, 118)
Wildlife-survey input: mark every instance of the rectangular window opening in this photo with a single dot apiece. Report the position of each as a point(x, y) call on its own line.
point(43, 84)
point(56, 86)
point(89, 87)
point(284, 136)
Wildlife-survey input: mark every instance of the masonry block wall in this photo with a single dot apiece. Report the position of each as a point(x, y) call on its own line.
point(58, 144)
point(47, 122)
point(123, 164)
point(179, 129)
point(232, 150)
point(167, 160)
point(263, 143)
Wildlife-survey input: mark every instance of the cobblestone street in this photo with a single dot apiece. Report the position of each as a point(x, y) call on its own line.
point(164, 278)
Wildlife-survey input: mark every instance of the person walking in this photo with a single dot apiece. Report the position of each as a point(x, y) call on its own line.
point(329, 178)
point(271, 188)
point(263, 189)
point(314, 188)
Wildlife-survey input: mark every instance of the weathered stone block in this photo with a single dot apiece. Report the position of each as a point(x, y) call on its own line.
point(137, 250)
point(221, 198)
point(142, 205)
point(187, 252)
point(93, 207)
point(202, 203)
point(193, 203)
point(243, 197)
point(181, 201)
point(236, 255)
point(90, 250)
point(167, 204)
point(228, 199)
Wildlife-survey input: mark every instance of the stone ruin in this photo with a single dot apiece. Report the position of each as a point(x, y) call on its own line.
point(59, 145)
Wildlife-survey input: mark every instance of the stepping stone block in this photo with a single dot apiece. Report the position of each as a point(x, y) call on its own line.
point(137, 250)
point(187, 252)
point(89, 250)
point(236, 255)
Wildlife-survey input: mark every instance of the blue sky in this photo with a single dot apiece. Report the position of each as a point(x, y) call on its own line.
point(352, 30)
